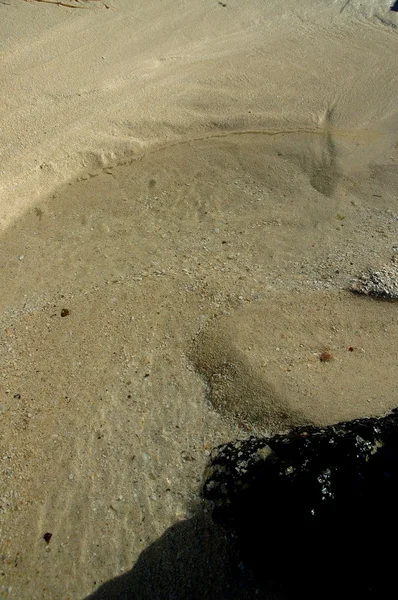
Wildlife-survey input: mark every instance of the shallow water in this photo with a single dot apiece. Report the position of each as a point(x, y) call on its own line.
point(106, 425)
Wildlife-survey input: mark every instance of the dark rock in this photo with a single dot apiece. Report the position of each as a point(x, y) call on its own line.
point(314, 513)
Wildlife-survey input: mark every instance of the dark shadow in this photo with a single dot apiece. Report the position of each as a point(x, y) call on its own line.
point(192, 560)
point(395, 6)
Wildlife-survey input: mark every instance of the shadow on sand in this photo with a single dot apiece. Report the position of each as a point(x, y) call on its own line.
point(192, 560)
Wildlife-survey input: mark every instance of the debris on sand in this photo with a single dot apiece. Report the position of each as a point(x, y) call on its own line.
point(382, 283)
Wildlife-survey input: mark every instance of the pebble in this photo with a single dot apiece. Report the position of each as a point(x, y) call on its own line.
point(120, 507)
point(145, 457)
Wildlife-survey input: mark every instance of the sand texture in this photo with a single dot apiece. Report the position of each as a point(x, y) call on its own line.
point(188, 193)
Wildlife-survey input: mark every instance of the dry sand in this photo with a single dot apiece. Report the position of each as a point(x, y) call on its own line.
point(187, 191)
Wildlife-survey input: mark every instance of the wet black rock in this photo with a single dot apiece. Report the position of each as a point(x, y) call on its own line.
point(314, 513)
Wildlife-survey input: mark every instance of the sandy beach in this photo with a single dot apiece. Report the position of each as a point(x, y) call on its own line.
point(187, 192)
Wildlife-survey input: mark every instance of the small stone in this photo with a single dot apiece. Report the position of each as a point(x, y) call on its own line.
point(120, 507)
point(47, 537)
point(21, 257)
point(145, 457)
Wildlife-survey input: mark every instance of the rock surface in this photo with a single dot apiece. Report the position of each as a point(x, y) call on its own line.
point(382, 283)
point(314, 512)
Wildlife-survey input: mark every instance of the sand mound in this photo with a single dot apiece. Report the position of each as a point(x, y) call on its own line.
point(309, 357)
point(83, 89)
point(236, 387)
